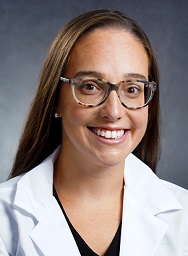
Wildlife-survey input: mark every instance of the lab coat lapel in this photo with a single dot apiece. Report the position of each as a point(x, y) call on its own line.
point(145, 197)
point(51, 234)
point(142, 232)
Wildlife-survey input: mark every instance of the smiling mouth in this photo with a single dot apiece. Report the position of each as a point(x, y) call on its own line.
point(116, 134)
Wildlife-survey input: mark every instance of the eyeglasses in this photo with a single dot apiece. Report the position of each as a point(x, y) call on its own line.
point(92, 92)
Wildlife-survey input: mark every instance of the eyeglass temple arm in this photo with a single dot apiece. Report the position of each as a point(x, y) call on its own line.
point(66, 80)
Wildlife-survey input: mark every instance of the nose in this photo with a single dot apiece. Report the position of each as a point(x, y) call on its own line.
point(112, 109)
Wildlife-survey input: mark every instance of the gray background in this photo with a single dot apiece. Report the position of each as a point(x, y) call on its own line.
point(28, 27)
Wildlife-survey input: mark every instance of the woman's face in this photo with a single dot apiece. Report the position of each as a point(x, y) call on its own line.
point(113, 54)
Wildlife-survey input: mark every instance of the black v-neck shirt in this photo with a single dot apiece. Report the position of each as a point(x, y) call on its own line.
point(84, 249)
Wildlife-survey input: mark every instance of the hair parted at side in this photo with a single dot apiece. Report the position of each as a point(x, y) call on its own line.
point(42, 132)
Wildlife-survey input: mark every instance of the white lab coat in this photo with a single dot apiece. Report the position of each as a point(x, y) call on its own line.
point(154, 221)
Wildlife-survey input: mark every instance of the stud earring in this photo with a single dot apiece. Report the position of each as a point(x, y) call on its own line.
point(56, 115)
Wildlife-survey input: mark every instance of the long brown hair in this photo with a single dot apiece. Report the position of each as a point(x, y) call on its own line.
point(42, 132)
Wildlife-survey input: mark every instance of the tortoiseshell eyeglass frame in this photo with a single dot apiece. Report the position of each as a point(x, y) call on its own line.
point(153, 85)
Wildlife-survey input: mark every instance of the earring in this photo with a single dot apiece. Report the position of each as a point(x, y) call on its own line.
point(56, 115)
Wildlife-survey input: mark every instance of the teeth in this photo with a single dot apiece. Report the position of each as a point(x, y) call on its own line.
point(109, 134)
point(114, 134)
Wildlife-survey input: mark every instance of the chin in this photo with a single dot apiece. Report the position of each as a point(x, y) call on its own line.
point(112, 160)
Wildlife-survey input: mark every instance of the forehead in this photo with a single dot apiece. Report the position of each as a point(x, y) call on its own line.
point(108, 49)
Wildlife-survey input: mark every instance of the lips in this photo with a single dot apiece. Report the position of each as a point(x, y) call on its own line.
point(109, 134)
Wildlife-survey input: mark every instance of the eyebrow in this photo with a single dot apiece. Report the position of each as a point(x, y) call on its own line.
point(100, 75)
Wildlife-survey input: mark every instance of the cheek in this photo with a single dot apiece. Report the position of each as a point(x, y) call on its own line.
point(70, 110)
point(75, 119)
point(74, 115)
point(140, 119)
point(72, 130)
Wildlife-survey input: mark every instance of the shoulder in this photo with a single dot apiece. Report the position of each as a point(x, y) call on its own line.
point(8, 221)
point(8, 189)
point(181, 194)
point(162, 195)
point(7, 195)
point(29, 179)
point(180, 218)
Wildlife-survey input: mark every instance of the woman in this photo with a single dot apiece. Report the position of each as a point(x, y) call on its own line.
point(75, 187)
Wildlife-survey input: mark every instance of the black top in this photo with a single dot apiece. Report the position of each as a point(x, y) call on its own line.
point(84, 249)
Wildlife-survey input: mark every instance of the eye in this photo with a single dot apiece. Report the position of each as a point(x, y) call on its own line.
point(89, 87)
point(133, 89)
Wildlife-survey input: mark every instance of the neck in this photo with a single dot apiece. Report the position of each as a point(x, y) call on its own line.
point(84, 179)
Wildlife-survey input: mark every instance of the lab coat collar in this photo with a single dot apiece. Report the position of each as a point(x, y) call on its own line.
point(145, 197)
point(148, 190)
